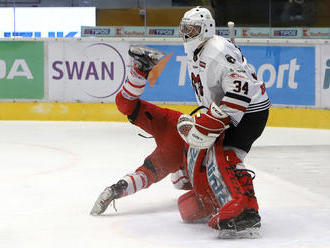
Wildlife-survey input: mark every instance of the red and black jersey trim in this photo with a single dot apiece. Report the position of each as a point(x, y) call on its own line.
point(234, 106)
point(238, 97)
point(256, 107)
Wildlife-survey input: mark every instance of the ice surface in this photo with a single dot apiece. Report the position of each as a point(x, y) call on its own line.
point(52, 172)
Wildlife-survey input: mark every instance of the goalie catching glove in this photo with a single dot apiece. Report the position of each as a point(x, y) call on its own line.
point(201, 131)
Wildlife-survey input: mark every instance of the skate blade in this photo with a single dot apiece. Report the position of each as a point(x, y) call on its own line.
point(95, 211)
point(153, 53)
point(249, 233)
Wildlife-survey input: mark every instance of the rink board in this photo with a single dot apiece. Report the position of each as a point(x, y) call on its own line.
point(296, 73)
point(279, 117)
point(78, 79)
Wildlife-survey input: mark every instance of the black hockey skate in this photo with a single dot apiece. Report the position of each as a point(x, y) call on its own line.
point(245, 226)
point(107, 196)
point(145, 58)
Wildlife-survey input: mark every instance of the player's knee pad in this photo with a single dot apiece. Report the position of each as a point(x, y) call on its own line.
point(149, 170)
point(191, 207)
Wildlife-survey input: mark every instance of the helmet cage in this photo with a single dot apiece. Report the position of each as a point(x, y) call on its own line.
point(190, 30)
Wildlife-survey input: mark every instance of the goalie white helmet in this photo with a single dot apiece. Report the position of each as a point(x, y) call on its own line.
point(196, 26)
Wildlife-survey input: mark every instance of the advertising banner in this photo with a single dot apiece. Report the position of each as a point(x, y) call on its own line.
point(21, 69)
point(317, 33)
point(255, 33)
point(89, 71)
point(240, 32)
point(325, 76)
point(94, 71)
point(129, 31)
point(288, 73)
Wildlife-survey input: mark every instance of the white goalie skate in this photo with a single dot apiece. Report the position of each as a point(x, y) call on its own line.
point(107, 196)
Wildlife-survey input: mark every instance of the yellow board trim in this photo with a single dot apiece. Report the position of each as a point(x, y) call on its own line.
point(279, 117)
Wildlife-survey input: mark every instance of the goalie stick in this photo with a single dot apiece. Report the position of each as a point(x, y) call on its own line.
point(231, 31)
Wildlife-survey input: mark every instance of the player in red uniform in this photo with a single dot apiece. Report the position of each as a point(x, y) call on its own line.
point(160, 123)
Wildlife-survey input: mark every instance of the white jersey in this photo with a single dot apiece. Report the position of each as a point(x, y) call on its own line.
point(220, 74)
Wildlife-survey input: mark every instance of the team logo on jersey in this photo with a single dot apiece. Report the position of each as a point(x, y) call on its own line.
point(202, 64)
point(230, 59)
point(197, 85)
point(237, 76)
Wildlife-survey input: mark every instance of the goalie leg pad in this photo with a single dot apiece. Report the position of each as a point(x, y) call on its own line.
point(240, 200)
point(231, 205)
point(192, 209)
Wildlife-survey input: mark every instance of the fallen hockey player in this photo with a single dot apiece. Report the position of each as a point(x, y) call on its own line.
point(189, 147)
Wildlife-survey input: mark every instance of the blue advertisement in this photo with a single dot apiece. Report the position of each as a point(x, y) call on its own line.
point(288, 73)
point(173, 85)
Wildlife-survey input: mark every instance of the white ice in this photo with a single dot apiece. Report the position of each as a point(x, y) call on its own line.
point(52, 172)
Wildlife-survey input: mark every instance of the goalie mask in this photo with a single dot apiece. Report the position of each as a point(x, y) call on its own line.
point(196, 26)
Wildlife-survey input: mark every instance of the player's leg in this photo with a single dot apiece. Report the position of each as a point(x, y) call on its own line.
point(232, 220)
point(155, 167)
point(215, 187)
point(240, 139)
point(131, 183)
point(159, 122)
point(167, 157)
point(237, 143)
point(147, 116)
point(142, 60)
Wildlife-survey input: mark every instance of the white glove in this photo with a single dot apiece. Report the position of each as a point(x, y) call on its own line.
point(201, 131)
point(181, 180)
